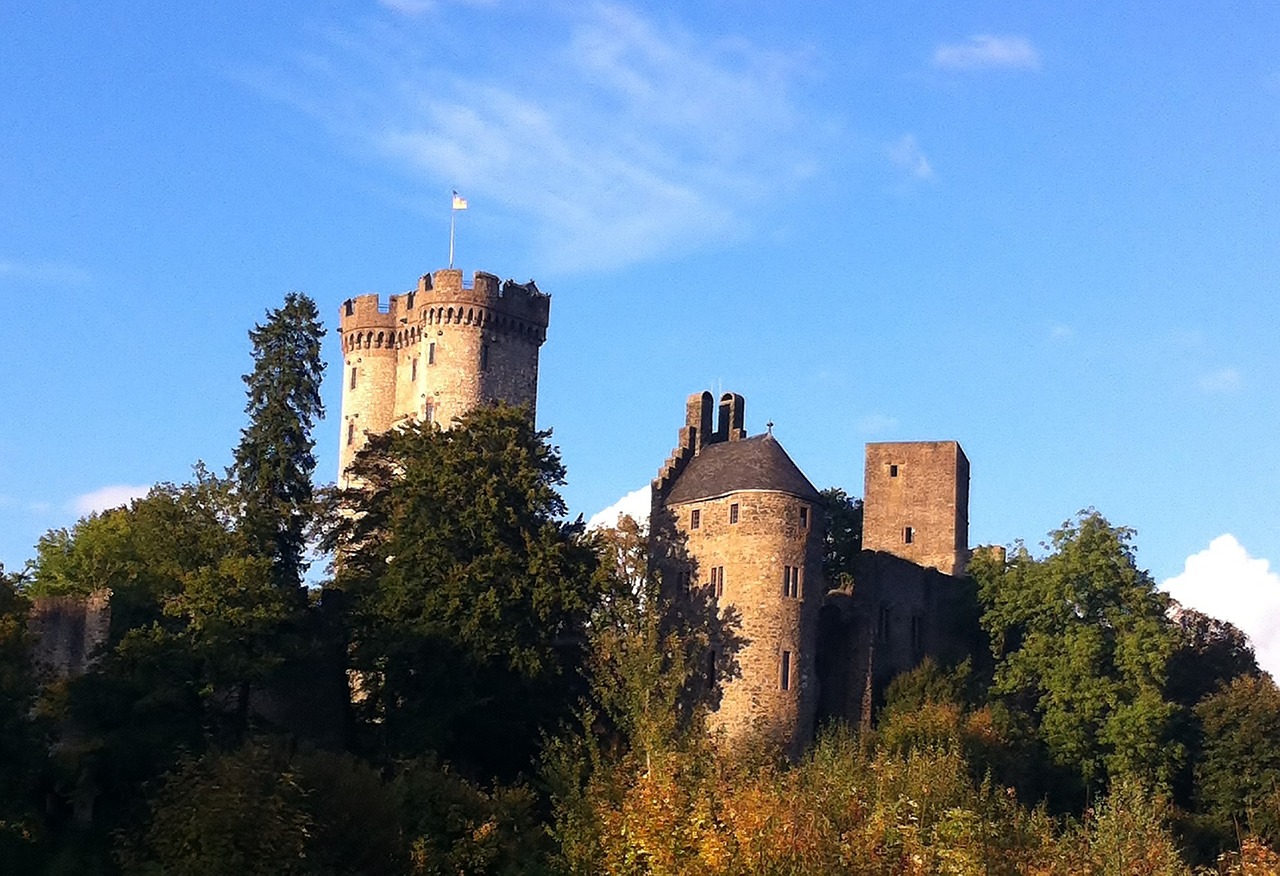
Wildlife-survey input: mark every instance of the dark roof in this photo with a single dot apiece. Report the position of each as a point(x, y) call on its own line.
point(757, 463)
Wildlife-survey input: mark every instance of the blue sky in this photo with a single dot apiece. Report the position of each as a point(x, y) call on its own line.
point(1048, 233)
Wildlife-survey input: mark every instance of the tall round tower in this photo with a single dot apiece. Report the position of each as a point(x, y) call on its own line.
point(734, 517)
point(437, 352)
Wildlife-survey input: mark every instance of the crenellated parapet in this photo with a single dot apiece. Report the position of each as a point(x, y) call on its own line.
point(438, 351)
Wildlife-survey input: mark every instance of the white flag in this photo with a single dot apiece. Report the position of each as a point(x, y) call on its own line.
point(459, 203)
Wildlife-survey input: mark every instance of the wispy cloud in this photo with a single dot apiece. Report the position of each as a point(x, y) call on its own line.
point(1222, 382)
point(42, 272)
point(627, 140)
point(986, 51)
point(1062, 332)
point(874, 424)
point(906, 153)
point(112, 496)
point(1225, 582)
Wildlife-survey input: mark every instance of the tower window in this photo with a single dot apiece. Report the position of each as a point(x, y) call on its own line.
point(351, 433)
point(429, 411)
point(893, 471)
point(695, 518)
point(353, 377)
point(431, 353)
point(791, 582)
point(804, 518)
point(717, 581)
point(784, 675)
point(908, 534)
point(413, 371)
point(484, 357)
point(733, 513)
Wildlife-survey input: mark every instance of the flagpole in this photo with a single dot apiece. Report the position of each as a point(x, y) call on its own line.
point(453, 218)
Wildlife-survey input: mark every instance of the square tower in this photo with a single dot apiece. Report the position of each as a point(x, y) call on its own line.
point(916, 503)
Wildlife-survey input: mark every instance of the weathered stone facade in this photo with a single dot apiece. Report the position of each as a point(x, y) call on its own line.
point(734, 517)
point(437, 352)
point(68, 632)
point(916, 503)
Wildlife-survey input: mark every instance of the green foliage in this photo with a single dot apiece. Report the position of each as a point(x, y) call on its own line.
point(21, 754)
point(1082, 643)
point(1209, 654)
point(470, 594)
point(1238, 776)
point(843, 539)
point(274, 461)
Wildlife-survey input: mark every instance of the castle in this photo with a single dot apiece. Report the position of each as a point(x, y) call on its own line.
point(436, 352)
point(733, 518)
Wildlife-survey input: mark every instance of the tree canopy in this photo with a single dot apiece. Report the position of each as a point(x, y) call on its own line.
point(1082, 643)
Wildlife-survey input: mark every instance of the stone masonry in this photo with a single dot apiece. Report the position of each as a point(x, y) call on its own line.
point(734, 518)
point(437, 352)
point(916, 503)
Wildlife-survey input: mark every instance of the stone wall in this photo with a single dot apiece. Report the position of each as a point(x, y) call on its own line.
point(916, 503)
point(67, 633)
point(438, 352)
point(745, 563)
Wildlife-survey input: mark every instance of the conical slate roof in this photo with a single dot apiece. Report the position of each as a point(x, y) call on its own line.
point(757, 463)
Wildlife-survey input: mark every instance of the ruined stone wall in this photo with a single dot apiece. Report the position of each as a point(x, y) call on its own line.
point(438, 352)
point(916, 503)
point(67, 632)
point(896, 614)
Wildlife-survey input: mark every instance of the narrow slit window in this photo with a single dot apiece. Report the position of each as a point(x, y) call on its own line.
point(893, 471)
point(804, 518)
point(353, 377)
point(431, 353)
point(484, 357)
point(908, 534)
point(785, 671)
point(695, 518)
point(733, 513)
point(429, 412)
point(351, 433)
point(791, 582)
point(413, 375)
point(717, 581)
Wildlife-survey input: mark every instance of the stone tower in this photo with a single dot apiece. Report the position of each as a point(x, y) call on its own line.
point(916, 503)
point(437, 352)
point(733, 518)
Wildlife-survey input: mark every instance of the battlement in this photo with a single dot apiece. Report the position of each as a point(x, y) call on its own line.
point(444, 298)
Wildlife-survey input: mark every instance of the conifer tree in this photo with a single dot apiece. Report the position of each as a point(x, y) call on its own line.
point(274, 461)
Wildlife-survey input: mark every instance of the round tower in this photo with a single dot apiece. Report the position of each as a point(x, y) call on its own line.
point(454, 346)
point(735, 520)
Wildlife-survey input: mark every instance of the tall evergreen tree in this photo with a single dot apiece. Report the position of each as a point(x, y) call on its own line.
point(274, 462)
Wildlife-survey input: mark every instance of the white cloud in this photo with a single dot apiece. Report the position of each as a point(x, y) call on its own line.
point(985, 51)
point(635, 505)
point(906, 153)
point(112, 496)
point(876, 423)
point(1222, 381)
point(1225, 582)
point(1062, 332)
point(42, 272)
point(627, 140)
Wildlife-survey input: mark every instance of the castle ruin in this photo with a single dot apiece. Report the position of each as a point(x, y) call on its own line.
point(733, 518)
